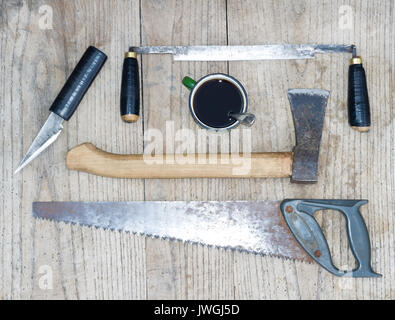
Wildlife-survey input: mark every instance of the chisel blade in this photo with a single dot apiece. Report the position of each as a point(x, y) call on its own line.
point(250, 226)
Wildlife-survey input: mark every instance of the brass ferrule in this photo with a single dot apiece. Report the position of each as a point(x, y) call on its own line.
point(130, 117)
point(356, 60)
point(131, 54)
point(361, 129)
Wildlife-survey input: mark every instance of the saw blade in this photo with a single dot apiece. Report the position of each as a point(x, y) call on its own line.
point(251, 226)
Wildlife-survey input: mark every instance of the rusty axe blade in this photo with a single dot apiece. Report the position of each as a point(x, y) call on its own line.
point(308, 111)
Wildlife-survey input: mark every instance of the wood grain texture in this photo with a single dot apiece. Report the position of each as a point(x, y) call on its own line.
point(89, 263)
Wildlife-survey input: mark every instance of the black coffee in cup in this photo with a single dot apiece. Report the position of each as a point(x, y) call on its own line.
point(214, 100)
point(218, 102)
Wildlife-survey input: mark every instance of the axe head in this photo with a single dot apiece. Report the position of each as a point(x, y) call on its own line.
point(308, 112)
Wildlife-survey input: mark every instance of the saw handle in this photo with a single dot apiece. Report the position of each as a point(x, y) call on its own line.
point(78, 83)
point(130, 88)
point(299, 215)
point(358, 99)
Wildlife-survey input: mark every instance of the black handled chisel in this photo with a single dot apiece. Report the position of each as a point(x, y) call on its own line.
point(66, 102)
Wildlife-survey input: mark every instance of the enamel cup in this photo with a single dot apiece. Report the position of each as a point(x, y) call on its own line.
point(213, 98)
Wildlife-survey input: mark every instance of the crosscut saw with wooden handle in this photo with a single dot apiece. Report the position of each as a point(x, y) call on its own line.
point(284, 229)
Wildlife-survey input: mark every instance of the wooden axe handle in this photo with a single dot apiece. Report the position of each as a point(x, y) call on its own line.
point(87, 158)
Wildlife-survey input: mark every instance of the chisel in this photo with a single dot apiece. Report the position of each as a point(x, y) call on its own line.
point(66, 102)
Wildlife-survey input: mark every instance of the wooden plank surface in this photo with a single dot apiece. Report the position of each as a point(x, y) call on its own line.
point(84, 263)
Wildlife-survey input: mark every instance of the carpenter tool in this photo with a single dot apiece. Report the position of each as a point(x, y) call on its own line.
point(358, 101)
point(284, 229)
point(308, 110)
point(130, 89)
point(66, 102)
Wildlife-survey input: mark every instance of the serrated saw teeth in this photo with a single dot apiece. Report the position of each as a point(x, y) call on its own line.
point(172, 239)
point(285, 229)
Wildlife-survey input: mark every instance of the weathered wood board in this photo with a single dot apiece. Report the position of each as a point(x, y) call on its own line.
point(41, 41)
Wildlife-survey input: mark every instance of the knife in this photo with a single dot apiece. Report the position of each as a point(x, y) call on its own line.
point(66, 102)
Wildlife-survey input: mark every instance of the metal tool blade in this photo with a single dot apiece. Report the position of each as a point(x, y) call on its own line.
point(308, 111)
point(47, 135)
point(252, 226)
point(238, 53)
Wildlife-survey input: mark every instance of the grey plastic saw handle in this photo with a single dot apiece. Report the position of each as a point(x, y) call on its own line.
point(299, 215)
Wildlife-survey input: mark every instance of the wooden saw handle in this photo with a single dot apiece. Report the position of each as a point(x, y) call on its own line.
point(87, 158)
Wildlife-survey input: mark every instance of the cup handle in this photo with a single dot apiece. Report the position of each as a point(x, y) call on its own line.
point(188, 82)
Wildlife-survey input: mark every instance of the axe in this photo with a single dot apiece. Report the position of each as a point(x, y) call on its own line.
point(308, 112)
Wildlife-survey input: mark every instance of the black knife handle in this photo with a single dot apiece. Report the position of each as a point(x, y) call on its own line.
point(130, 88)
point(358, 99)
point(78, 83)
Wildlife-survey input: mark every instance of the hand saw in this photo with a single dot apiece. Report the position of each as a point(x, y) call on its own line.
point(358, 100)
point(285, 229)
